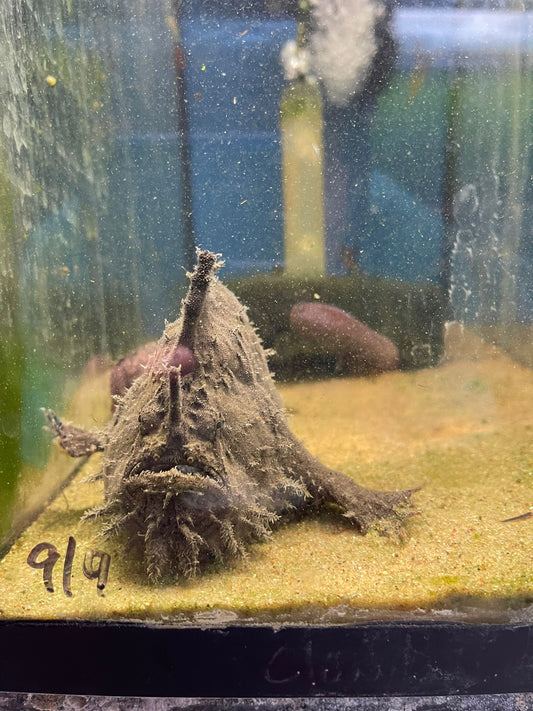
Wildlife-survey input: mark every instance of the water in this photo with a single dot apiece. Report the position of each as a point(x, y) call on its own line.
point(130, 131)
point(80, 181)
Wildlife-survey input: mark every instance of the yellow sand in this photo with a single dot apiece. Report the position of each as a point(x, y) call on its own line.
point(462, 431)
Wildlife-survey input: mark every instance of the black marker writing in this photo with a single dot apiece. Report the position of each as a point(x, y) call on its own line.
point(95, 565)
point(100, 572)
point(47, 564)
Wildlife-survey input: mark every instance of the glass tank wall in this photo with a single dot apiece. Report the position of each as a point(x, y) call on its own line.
point(364, 171)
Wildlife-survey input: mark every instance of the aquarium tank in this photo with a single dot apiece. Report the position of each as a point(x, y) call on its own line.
point(267, 311)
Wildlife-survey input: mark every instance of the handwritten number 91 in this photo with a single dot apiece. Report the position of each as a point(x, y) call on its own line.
point(95, 565)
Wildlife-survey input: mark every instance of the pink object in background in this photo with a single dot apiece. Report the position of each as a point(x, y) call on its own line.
point(358, 348)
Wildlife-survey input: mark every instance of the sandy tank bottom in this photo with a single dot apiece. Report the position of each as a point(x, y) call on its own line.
point(462, 431)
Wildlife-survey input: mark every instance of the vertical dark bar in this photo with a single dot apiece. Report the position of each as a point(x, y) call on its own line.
point(67, 567)
point(184, 142)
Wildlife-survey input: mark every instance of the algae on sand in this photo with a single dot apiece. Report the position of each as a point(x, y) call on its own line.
point(462, 430)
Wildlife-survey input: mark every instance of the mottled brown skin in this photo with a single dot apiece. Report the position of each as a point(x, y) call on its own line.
point(127, 370)
point(198, 465)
